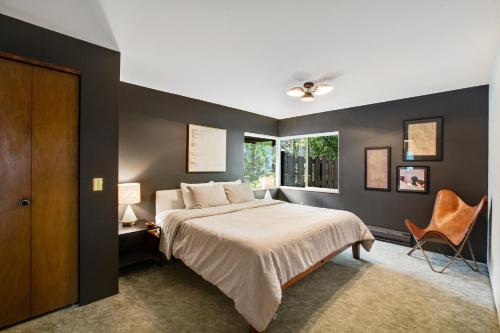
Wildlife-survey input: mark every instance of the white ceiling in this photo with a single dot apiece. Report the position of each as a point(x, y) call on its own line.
point(245, 54)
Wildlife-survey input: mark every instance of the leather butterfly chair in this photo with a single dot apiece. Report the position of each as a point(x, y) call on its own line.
point(452, 222)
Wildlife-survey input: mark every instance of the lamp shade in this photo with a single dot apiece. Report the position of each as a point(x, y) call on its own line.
point(129, 193)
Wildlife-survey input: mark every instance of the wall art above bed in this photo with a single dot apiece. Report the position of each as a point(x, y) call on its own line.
point(206, 149)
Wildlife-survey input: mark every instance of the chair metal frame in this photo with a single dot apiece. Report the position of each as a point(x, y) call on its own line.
point(455, 256)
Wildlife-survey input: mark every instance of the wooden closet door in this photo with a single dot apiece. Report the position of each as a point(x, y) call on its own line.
point(15, 185)
point(54, 209)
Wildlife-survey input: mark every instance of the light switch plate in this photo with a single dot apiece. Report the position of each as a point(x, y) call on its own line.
point(97, 184)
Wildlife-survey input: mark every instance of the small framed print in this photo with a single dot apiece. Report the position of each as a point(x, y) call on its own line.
point(413, 179)
point(423, 139)
point(378, 168)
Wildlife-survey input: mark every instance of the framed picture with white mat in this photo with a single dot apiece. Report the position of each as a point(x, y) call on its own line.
point(206, 149)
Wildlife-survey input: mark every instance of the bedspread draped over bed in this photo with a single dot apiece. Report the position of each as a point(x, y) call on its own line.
point(250, 250)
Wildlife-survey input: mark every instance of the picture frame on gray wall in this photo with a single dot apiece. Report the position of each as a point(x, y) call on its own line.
point(413, 179)
point(423, 139)
point(206, 149)
point(378, 169)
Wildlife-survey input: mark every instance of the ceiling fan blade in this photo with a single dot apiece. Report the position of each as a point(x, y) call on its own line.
point(295, 92)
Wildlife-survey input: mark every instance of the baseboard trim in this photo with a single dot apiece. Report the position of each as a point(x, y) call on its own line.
point(389, 235)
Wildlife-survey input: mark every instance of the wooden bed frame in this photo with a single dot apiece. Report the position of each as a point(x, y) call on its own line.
point(294, 280)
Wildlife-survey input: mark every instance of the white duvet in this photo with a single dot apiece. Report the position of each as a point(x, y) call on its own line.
point(250, 250)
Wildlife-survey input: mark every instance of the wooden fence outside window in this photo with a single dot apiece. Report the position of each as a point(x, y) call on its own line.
point(321, 171)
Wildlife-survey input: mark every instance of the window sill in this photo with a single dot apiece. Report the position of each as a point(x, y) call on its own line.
point(311, 189)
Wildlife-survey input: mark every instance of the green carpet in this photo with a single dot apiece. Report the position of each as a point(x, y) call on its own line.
point(385, 292)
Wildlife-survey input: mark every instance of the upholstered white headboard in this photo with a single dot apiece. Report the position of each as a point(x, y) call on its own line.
point(172, 199)
point(169, 199)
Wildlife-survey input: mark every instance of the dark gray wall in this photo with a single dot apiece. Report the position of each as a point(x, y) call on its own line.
point(464, 168)
point(100, 75)
point(153, 139)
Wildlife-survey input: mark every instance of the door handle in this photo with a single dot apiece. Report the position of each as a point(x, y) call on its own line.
point(25, 203)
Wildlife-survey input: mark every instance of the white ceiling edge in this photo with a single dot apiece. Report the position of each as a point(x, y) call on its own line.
point(366, 102)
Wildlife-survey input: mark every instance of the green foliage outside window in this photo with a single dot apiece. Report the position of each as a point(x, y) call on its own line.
point(259, 164)
point(325, 146)
point(294, 147)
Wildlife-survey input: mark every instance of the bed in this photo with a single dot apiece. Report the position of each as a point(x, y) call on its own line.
point(253, 250)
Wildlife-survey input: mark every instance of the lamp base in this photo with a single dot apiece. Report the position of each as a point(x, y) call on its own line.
point(127, 224)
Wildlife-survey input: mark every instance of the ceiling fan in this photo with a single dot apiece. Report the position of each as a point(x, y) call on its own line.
point(309, 90)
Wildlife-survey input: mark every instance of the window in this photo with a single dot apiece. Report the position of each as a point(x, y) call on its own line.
point(310, 161)
point(260, 161)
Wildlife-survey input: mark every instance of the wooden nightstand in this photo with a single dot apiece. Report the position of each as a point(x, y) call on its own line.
point(138, 243)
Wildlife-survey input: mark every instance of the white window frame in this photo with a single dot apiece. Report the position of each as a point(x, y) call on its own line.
point(306, 171)
point(277, 162)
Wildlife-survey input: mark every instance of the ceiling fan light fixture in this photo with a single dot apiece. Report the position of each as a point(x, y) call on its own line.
point(309, 90)
point(323, 88)
point(295, 92)
point(307, 97)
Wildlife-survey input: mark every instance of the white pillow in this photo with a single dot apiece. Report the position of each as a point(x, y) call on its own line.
point(208, 196)
point(186, 194)
point(238, 193)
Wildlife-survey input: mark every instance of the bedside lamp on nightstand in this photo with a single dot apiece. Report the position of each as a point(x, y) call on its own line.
point(129, 194)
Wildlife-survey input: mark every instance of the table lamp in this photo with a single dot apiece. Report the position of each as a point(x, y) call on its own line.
point(129, 194)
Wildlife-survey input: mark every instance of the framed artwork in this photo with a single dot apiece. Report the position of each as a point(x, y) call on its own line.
point(378, 168)
point(413, 179)
point(206, 149)
point(423, 139)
